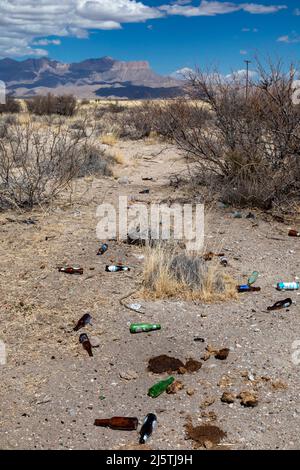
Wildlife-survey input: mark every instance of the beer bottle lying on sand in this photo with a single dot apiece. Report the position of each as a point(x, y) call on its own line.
point(118, 423)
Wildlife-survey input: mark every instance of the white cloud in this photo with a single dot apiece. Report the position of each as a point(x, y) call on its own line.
point(24, 25)
point(243, 52)
point(212, 8)
point(47, 42)
point(292, 39)
point(183, 74)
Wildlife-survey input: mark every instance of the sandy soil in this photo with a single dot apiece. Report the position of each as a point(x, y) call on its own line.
point(51, 391)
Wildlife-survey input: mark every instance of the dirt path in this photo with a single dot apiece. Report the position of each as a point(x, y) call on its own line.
point(51, 391)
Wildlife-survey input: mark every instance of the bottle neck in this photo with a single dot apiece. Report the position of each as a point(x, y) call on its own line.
point(102, 422)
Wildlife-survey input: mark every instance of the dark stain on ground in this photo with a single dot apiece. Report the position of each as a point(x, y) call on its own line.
point(192, 365)
point(164, 363)
point(204, 434)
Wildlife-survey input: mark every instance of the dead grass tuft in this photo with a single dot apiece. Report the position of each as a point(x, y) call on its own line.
point(109, 139)
point(169, 274)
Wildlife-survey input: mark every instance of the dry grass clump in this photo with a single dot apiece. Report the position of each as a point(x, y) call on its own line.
point(109, 139)
point(169, 274)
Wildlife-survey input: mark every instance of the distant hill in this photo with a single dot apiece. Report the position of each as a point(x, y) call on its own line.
point(92, 78)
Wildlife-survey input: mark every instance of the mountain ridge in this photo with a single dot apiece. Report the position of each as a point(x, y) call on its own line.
point(90, 78)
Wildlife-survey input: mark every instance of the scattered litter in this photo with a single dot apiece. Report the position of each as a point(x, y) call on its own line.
point(118, 423)
point(210, 255)
point(247, 288)
point(175, 387)
point(248, 399)
point(160, 387)
point(281, 304)
point(203, 434)
point(135, 307)
point(103, 248)
point(163, 363)
point(253, 278)
point(85, 320)
point(224, 261)
point(190, 392)
point(84, 340)
point(237, 215)
point(294, 233)
point(228, 397)
point(147, 178)
point(102, 397)
point(149, 425)
point(198, 339)
point(287, 285)
point(115, 269)
point(145, 191)
point(250, 215)
point(143, 327)
point(70, 269)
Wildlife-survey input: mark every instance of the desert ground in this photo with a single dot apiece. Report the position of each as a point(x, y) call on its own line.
point(52, 391)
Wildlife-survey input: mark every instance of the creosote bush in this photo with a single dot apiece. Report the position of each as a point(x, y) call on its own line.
point(249, 142)
point(39, 159)
point(11, 106)
point(64, 105)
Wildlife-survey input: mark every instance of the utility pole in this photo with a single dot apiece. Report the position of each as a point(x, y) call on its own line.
point(247, 62)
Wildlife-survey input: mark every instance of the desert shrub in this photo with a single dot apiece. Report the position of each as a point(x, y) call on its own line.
point(38, 161)
point(11, 106)
point(64, 105)
point(250, 141)
point(134, 123)
point(95, 162)
point(168, 273)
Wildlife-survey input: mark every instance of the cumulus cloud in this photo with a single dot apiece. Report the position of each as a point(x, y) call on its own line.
point(26, 25)
point(23, 23)
point(183, 74)
point(212, 8)
point(47, 42)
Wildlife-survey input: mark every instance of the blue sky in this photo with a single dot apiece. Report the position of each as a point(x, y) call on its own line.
point(170, 35)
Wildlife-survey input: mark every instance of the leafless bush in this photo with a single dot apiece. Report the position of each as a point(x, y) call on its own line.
point(11, 106)
point(64, 105)
point(251, 141)
point(38, 160)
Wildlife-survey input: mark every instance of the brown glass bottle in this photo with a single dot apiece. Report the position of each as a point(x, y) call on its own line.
point(71, 269)
point(294, 233)
point(118, 423)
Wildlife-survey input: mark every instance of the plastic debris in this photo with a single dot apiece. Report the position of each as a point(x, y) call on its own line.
point(288, 285)
point(103, 248)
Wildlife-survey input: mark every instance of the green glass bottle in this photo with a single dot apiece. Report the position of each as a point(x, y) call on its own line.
point(144, 327)
point(160, 387)
point(253, 278)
